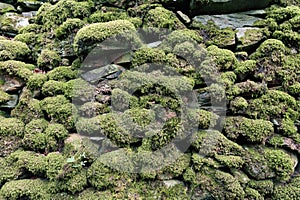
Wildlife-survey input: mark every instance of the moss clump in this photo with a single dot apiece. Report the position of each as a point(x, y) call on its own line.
point(176, 168)
point(264, 187)
point(57, 131)
point(290, 191)
point(17, 68)
point(230, 161)
point(251, 130)
point(13, 50)
point(178, 37)
point(206, 119)
point(92, 109)
point(59, 110)
point(238, 105)
point(101, 16)
point(86, 37)
point(211, 143)
point(252, 194)
point(27, 108)
point(223, 58)
point(11, 127)
point(160, 17)
point(283, 14)
point(25, 188)
point(274, 104)
point(53, 88)
point(4, 97)
point(8, 172)
point(295, 89)
point(48, 59)
point(62, 74)
point(70, 26)
point(245, 69)
point(36, 81)
point(247, 89)
point(280, 162)
point(251, 39)
point(54, 15)
point(289, 38)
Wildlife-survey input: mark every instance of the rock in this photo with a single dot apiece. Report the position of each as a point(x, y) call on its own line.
point(248, 39)
point(4, 7)
point(225, 6)
point(12, 22)
point(183, 17)
point(235, 20)
point(12, 102)
point(110, 71)
point(11, 85)
point(172, 183)
point(29, 5)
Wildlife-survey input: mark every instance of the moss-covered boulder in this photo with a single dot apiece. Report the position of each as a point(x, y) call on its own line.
point(13, 50)
point(86, 38)
point(250, 130)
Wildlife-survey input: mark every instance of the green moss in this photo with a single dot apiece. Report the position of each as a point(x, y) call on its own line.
point(178, 37)
point(283, 14)
point(276, 141)
point(210, 143)
point(70, 26)
point(62, 74)
point(274, 104)
point(295, 89)
point(11, 127)
point(176, 168)
point(230, 161)
point(100, 16)
point(245, 69)
point(53, 88)
point(252, 194)
point(57, 131)
point(264, 187)
point(4, 97)
point(54, 165)
point(250, 130)
point(36, 126)
point(228, 78)
point(27, 108)
point(92, 109)
point(223, 58)
point(48, 59)
point(238, 105)
point(54, 15)
point(17, 68)
point(25, 188)
point(271, 49)
point(206, 119)
point(160, 17)
point(10, 50)
point(59, 110)
point(36, 81)
point(101, 176)
point(28, 161)
point(289, 38)
point(86, 37)
point(280, 162)
point(290, 191)
point(221, 37)
point(8, 172)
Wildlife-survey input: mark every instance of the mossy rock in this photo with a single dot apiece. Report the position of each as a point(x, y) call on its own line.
point(247, 89)
point(274, 104)
point(13, 50)
point(209, 143)
point(8, 145)
point(48, 59)
point(245, 69)
point(249, 38)
point(16, 68)
point(160, 17)
point(36, 81)
point(238, 105)
point(4, 97)
point(25, 188)
point(100, 16)
point(11, 127)
point(287, 191)
point(248, 129)
point(8, 172)
point(70, 26)
point(223, 58)
point(53, 15)
point(86, 38)
point(62, 73)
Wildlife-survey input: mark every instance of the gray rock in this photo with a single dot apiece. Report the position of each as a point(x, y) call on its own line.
point(102, 72)
point(172, 183)
point(10, 23)
point(225, 6)
point(12, 103)
point(235, 20)
point(183, 17)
